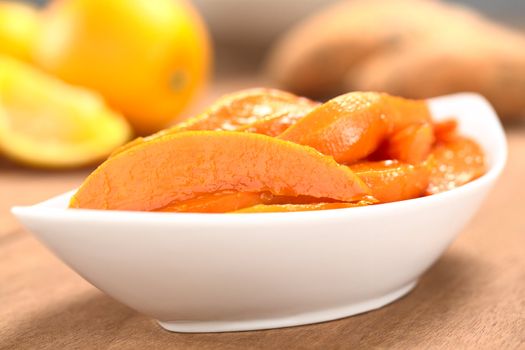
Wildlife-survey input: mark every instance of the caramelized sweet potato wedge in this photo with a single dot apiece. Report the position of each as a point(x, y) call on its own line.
point(405, 112)
point(411, 144)
point(216, 203)
point(446, 130)
point(352, 126)
point(456, 162)
point(259, 106)
point(265, 150)
point(276, 124)
point(258, 110)
point(348, 127)
point(275, 208)
point(188, 164)
point(232, 201)
point(392, 180)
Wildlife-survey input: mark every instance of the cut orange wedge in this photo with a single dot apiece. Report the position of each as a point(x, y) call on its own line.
point(47, 123)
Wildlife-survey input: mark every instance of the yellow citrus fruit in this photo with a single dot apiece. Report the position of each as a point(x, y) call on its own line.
point(147, 58)
point(18, 29)
point(48, 123)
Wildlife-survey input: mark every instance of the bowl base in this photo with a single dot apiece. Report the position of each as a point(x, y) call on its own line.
point(289, 321)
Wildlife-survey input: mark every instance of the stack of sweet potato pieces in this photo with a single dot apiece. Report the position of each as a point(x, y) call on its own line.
point(265, 150)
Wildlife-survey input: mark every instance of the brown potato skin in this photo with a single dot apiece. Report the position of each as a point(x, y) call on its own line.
point(410, 48)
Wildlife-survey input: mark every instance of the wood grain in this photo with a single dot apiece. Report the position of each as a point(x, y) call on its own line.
point(472, 298)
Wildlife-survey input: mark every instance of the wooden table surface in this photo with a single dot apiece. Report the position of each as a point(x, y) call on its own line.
point(473, 297)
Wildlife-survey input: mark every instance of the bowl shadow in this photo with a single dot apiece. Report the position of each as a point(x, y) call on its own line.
point(95, 321)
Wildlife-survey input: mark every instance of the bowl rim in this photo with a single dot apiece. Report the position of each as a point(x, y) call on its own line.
point(44, 211)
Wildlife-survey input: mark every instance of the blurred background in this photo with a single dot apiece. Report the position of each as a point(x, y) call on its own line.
point(81, 77)
point(242, 30)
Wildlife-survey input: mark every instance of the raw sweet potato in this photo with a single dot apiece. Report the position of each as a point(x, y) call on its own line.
point(409, 48)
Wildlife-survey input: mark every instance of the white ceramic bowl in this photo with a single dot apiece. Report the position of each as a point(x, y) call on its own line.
point(231, 272)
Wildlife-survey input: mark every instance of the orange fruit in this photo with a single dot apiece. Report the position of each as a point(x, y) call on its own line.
point(147, 58)
point(18, 29)
point(45, 122)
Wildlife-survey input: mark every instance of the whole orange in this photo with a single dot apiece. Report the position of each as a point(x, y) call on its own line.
point(148, 58)
point(18, 29)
